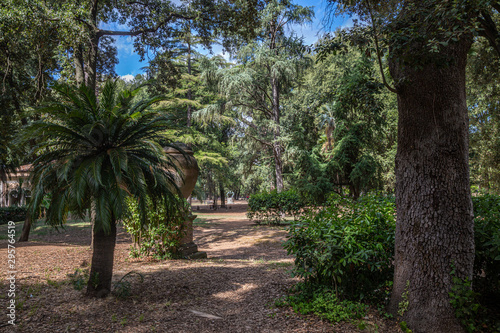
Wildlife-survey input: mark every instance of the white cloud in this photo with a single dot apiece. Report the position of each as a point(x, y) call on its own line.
point(127, 78)
point(347, 24)
point(124, 45)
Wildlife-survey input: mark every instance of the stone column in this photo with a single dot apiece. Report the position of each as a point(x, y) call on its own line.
point(186, 163)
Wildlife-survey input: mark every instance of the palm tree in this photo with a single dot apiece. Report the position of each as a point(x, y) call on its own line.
point(327, 121)
point(94, 154)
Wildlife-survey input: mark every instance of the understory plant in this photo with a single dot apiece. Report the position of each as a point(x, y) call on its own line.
point(487, 242)
point(323, 302)
point(347, 246)
point(160, 235)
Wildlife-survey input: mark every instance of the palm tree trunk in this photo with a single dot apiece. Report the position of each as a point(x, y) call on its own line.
point(26, 228)
point(101, 270)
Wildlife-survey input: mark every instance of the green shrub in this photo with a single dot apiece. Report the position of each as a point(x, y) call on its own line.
point(270, 207)
point(347, 245)
point(162, 232)
point(487, 243)
point(12, 213)
point(323, 302)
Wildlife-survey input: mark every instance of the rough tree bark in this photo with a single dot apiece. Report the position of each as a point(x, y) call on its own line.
point(222, 195)
point(189, 94)
point(92, 62)
point(277, 150)
point(275, 86)
point(434, 228)
point(79, 65)
point(25, 233)
point(101, 270)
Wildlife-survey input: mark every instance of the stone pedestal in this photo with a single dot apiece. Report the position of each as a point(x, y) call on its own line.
point(188, 248)
point(188, 167)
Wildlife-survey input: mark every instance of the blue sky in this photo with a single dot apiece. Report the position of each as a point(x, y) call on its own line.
point(129, 63)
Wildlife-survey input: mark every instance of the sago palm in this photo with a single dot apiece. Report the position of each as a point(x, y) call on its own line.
point(94, 153)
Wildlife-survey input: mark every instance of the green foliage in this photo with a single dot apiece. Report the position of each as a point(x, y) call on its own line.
point(271, 207)
point(79, 278)
point(357, 119)
point(483, 92)
point(12, 213)
point(403, 305)
point(121, 288)
point(160, 235)
point(347, 245)
point(255, 90)
point(487, 242)
point(96, 152)
point(323, 302)
point(463, 300)
point(404, 327)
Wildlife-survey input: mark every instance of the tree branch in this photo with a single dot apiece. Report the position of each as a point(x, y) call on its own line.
point(265, 143)
point(171, 16)
point(391, 89)
point(489, 31)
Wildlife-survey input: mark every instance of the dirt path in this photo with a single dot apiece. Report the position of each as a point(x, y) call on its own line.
point(234, 290)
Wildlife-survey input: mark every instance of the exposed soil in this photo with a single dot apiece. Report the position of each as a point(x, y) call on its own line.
point(234, 290)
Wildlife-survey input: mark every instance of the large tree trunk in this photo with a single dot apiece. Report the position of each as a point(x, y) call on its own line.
point(25, 233)
point(101, 270)
point(434, 228)
point(79, 69)
point(92, 62)
point(222, 195)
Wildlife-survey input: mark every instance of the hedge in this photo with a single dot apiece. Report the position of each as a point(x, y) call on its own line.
point(13, 213)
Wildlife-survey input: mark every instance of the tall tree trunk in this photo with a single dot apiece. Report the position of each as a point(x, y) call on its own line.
point(275, 85)
point(101, 270)
point(78, 60)
point(92, 62)
point(222, 195)
point(189, 95)
point(277, 150)
point(25, 233)
point(434, 228)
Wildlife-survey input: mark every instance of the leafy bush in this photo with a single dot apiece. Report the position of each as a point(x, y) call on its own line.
point(162, 232)
point(323, 302)
point(12, 213)
point(347, 245)
point(270, 207)
point(487, 242)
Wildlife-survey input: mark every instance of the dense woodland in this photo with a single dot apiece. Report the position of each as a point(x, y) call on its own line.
point(403, 104)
